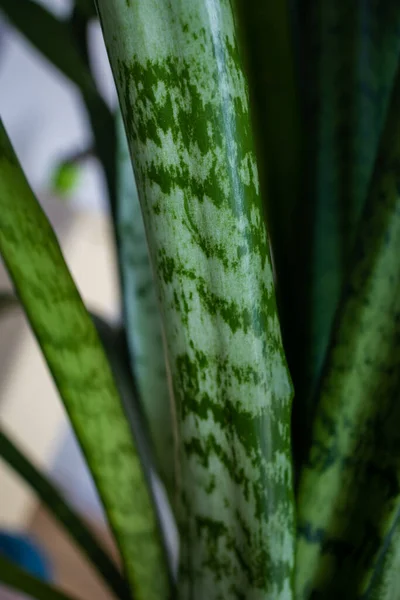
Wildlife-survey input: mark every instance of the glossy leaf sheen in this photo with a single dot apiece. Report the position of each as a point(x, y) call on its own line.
point(143, 321)
point(185, 104)
point(77, 362)
point(350, 489)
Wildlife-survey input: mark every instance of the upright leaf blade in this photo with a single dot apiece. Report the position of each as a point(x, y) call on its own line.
point(77, 362)
point(266, 29)
point(142, 314)
point(185, 105)
point(51, 36)
point(350, 488)
point(69, 520)
point(386, 583)
point(17, 579)
point(349, 52)
point(54, 39)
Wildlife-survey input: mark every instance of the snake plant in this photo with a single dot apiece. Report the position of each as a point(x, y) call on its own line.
point(252, 169)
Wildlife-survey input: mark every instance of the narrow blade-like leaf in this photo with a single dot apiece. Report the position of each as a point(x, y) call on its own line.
point(350, 488)
point(349, 52)
point(53, 37)
point(266, 29)
point(73, 525)
point(386, 582)
point(77, 362)
point(142, 314)
point(185, 104)
point(20, 581)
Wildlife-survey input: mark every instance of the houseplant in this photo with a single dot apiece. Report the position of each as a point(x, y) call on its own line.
point(254, 131)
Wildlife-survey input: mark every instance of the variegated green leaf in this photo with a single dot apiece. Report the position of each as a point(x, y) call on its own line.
point(386, 584)
point(266, 29)
point(79, 367)
point(184, 99)
point(350, 488)
point(349, 53)
point(142, 314)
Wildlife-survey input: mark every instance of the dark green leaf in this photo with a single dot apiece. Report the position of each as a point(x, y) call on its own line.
point(350, 487)
point(386, 581)
point(52, 37)
point(349, 52)
point(20, 581)
point(69, 520)
point(55, 39)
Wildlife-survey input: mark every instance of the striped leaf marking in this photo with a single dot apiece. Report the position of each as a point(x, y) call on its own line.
point(142, 314)
point(350, 52)
point(350, 488)
point(185, 104)
point(266, 29)
point(79, 367)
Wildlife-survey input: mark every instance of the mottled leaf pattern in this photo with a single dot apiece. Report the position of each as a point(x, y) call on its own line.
point(142, 315)
point(266, 29)
point(349, 53)
point(185, 103)
point(76, 360)
point(350, 489)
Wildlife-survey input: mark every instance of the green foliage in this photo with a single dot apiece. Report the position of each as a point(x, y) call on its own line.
point(142, 316)
point(348, 53)
point(66, 178)
point(353, 471)
point(56, 41)
point(184, 99)
point(385, 585)
point(72, 523)
point(18, 579)
point(250, 125)
point(81, 372)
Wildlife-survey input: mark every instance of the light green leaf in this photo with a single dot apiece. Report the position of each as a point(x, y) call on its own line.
point(142, 315)
point(66, 178)
point(184, 100)
point(65, 515)
point(350, 487)
point(77, 362)
point(17, 579)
